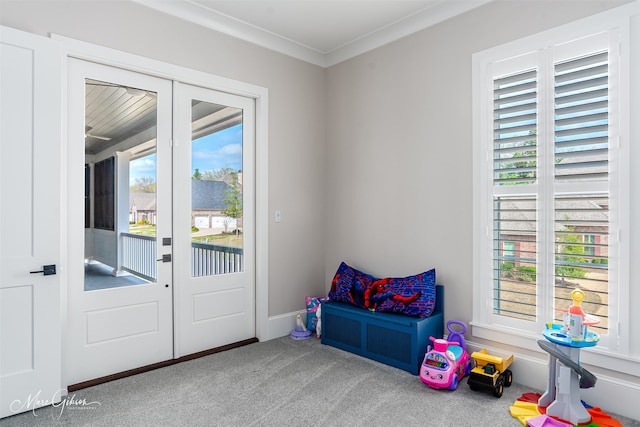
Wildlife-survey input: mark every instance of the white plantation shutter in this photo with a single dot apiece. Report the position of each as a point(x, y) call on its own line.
point(581, 91)
point(581, 253)
point(581, 118)
point(515, 256)
point(514, 128)
point(550, 178)
point(515, 121)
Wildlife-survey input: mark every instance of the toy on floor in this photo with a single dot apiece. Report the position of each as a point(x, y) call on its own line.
point(300, 332)
point(546, 421)
point(448, 362)
point(490, 372)
point(525, 409)
point(561, 400)
point(319, 323)
point(566, 376)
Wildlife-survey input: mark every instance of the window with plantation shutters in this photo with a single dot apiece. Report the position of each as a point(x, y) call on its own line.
point(548, 165)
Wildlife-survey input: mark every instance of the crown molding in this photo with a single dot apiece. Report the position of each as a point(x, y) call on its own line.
point(412, 24)
point(225, 24)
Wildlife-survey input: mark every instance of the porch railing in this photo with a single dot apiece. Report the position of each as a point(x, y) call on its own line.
point(139, 257)
point(208, 259)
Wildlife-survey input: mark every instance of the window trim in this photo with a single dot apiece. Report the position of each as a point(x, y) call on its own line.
point(616, 19)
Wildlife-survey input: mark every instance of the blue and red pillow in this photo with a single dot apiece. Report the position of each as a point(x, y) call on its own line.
point(411, 295)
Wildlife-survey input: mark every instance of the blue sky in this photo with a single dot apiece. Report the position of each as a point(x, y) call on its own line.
point(218, 150)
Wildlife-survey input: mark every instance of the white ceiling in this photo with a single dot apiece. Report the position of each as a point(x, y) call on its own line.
point(322, 32)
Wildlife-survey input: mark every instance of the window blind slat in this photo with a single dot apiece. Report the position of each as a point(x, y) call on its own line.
point(584, 130)
point(595, 153)
point(584, 61)
point(518, 99)
point(593, 106)
point(582, 119)
point(562, 146)
point(502, 161)
point(506, 91)
point(512, 140)
point(584, 73)
point(525, 75)
point(594, 95)
point(520, 108)
point(511, 119)
point(585, 85)
point(530, 128)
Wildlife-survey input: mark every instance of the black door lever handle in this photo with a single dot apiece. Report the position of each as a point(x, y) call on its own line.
point(47, 270)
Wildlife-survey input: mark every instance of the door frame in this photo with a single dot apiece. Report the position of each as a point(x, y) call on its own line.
point(115, 58)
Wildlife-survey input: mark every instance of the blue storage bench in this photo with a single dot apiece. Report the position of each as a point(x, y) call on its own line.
point(390, 338)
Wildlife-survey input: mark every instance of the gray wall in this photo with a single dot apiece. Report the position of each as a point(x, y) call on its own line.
point(399, 141)
point(297, 105)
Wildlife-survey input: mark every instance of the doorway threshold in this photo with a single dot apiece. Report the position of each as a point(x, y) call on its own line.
point(147, 368)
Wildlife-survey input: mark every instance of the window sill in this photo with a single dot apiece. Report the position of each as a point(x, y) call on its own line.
point(597, 357)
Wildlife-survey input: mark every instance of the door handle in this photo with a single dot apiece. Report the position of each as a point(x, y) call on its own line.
point(165, 258)
point(47, 270)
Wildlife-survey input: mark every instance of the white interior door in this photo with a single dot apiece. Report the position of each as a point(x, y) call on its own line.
point(119, 190)
point(30, 328)
point(214, 218)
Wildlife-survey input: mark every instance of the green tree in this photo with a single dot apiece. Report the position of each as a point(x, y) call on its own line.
point(570, 255)
point(233, 200)
point(222, 174)
point(197, 176)
point(521, 164)
point(144, 184)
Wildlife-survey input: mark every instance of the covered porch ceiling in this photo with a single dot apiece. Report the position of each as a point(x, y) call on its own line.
point(122, 118)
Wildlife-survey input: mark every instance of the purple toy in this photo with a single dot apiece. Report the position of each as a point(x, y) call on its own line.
point(300, 332)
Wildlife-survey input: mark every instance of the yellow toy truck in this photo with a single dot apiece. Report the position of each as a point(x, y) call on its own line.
point(490, 372)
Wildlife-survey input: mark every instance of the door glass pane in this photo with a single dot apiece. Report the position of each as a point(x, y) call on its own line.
point(120, 185)
point(216, 189)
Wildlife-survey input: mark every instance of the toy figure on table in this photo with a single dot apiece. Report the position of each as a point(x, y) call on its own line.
point(561, 400)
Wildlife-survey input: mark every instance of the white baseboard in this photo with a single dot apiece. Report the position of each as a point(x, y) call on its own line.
point(282, 324)
point(610, 394)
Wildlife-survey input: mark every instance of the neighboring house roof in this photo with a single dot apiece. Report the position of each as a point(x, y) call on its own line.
point(583, 215)
point(205, 195)
point(142, 201)
point(208, 195)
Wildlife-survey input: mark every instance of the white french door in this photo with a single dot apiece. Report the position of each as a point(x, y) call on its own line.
point(213, 190)
point(161, 191)
point(120, 292)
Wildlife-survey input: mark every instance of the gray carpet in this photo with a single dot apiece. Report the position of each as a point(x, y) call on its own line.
point(278, 383)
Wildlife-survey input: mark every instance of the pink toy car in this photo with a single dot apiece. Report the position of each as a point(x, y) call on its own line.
point(447, 363)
